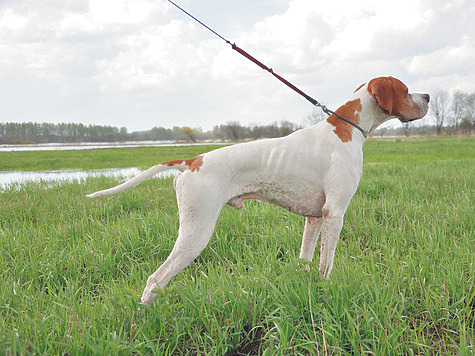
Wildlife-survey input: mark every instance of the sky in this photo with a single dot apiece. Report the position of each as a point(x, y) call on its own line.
point(142, 63)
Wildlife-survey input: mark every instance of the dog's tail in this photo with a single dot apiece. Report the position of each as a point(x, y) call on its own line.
point(181, 165)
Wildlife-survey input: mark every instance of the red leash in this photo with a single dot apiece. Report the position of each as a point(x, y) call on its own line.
point(283, 80)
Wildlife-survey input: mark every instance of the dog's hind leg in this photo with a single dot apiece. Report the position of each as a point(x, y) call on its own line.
point(198, 215)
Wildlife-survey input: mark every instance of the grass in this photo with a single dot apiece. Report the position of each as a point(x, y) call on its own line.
point(400, 151)
point(142, 157)
point(72, 270)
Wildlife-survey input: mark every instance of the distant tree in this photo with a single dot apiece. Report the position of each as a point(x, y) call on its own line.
point(45, 132)
point(160, 133)
point(439, 108)
point(287, 127)
point(82, 133)
point(270, 131)
point(123, 133)
point(382, 131)
point(315, 117)
point(234, 131)
point(218, 132)
point(456, 110)
point(177, 135)
point(467, 123)
point(470, 108)
point(189, 133)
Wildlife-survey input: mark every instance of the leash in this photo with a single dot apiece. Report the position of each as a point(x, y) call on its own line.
point(283, 80)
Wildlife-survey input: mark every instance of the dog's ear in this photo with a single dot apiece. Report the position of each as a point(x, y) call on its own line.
point(361, 86)
point(384, 91)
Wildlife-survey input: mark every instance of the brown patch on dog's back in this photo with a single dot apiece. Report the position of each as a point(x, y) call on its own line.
point(349, 111)
point(193, 164)
point(173, 163)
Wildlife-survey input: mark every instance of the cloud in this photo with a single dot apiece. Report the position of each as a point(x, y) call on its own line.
point(141, 63)
point(456, 58)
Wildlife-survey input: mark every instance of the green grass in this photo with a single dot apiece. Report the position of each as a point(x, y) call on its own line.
point(142, 157)
point(397, 150)
point(72, 270)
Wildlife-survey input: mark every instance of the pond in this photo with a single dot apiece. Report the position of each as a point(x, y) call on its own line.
point(21, 177)
point(95, 145)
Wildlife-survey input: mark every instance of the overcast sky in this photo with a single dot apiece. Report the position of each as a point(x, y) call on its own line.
point(142, 63)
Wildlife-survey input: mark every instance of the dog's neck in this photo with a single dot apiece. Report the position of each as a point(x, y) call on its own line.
point(368, 113)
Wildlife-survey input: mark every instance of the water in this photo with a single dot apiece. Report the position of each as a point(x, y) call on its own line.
point(68, 176)
point(21, 177)
point(94, 145)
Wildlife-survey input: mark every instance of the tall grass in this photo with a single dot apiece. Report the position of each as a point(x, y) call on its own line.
point(72, 270)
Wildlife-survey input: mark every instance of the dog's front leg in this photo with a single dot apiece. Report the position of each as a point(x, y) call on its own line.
point(340, 186)
point(311, 231)
point(331, 227)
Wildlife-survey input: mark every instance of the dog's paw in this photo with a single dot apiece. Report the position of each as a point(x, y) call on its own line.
point(147, 298)
point(305, 265)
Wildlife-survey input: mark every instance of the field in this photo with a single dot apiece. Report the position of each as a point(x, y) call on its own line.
point(72, 270)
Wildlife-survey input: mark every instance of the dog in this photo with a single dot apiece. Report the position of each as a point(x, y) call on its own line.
point(313, 172)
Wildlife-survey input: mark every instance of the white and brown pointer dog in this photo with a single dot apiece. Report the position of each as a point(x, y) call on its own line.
point(313, 172)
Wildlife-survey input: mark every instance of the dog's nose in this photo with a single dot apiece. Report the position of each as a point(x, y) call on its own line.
point(426, 97)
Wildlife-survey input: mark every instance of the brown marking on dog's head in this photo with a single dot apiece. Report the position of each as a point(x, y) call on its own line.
point(350, 111)
point(359, 87)
point(393, 97)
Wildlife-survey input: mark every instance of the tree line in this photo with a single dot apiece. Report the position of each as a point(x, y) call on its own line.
point(453, 113)
point(31, 132)
point(450, 114)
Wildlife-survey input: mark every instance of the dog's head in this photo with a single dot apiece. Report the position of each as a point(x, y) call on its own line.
point(393, 97)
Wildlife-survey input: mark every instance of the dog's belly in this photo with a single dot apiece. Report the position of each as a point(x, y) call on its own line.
point(298, 198)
